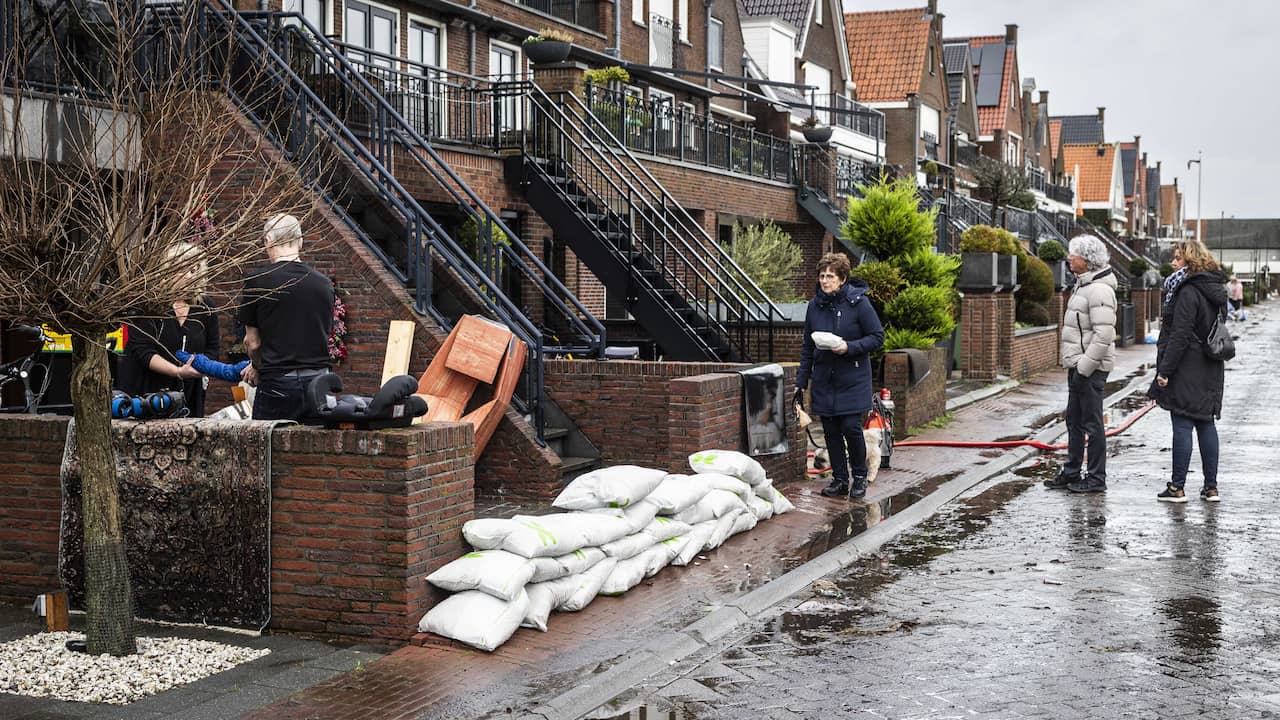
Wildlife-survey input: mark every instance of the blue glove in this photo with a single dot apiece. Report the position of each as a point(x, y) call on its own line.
point(213, 368)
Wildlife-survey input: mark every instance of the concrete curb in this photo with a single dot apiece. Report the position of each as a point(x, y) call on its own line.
point(981, 394)
point(672, 647)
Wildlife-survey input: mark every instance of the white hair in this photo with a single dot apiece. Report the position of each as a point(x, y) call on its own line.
point(1091, 249)
point(282, 229)
point(186, 253)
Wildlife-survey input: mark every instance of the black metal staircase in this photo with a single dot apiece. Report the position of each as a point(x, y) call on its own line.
point(678, 284)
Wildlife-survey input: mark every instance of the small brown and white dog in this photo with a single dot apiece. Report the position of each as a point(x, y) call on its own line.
point(871, 437)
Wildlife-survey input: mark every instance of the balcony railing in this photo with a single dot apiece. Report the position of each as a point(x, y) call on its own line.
point(1019, 222)
point(840, 111)
point(583, 13)
point(852, 172)
point(1035, 178)
point(664, 37)
point(1061, 193)
point(929, 145)
point(657, 128)
point(966, 153)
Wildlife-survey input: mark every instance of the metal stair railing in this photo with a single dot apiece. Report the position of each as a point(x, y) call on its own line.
point(389, 131)
point(291, 115)
point(681, 250)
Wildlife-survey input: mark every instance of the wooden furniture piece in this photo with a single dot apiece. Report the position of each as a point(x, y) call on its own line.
point(477, 353)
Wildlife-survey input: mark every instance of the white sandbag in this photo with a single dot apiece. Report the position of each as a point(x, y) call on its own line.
point(561, 533)
point(545, 597)
point(661, 555)
point(476, 618)
point(486, 533)
point(628, 547)
point(663, 528)
point(619, 486)
point(780, 503)
point(762, 509)
point(744, 522)
point(720, 481)
point(587, 585)
point(678, 492)
point(714, 505)
point(729, 462)
point(694, 541)
point(550, 568)
point(626, 575)
point(723, 529)
point(636, 517)
point(497, 572)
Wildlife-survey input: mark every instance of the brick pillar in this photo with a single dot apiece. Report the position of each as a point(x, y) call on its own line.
point(1057, 308)
point(1146, 307)
point(568, 76)
point(986, 322)
point(915, 406)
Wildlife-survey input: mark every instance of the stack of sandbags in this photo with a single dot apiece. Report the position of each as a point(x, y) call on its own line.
point(620, 525)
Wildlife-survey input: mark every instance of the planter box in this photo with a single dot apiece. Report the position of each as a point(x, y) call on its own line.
point(1061, 274)
point(817, 134)
point(979, 272)
point(1007, 273)
point(547, 51)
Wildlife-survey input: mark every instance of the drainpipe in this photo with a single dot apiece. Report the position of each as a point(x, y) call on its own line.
point(616, 50)
point(707, 45)
point(471, 56)
point(913, 102)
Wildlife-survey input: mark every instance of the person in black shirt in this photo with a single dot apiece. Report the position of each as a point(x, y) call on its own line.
point(148, 363)
point(287, 311)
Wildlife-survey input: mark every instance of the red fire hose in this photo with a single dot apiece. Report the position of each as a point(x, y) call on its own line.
point(1014, 443)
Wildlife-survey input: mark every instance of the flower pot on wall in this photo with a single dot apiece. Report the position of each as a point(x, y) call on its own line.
point(1061, 274)
point(547, 51)
point(979, 272)
point(816, 134)
point(1007, 274)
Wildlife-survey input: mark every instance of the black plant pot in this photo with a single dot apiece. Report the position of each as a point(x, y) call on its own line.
point(1008, 272)
point(544, 52)
point(816, 134)
point(1061, 274)
point(979, 272)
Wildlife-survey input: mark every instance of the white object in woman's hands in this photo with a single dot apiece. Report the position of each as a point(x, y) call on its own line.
point(826, 340)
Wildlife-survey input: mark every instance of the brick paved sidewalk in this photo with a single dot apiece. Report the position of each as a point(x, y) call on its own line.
point(450, 681)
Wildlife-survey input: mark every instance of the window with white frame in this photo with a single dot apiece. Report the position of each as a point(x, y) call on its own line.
point(715, 44)
point(311, 10)
point(637, 12)
point(820, 78)
point(504, 65)
point(370, 27)
point(425, 101)
point(663, 106)
point(689, 126)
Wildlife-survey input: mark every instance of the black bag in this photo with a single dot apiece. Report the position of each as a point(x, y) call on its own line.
point(1218, 344)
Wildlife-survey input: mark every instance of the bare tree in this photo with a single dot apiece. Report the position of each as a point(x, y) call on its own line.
point(111, 142)
point(1002, 184)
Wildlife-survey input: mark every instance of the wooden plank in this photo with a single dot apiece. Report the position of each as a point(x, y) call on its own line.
point(399, 347)
point(55, 609)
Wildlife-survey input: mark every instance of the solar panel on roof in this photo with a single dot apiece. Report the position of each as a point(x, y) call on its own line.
point(992, 76)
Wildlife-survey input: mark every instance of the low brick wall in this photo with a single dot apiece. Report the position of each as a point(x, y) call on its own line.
point(986, 324)
point(359, 519)
point(919, 404)
point(1034, 351)
point(657, 413)
point(1146, 308)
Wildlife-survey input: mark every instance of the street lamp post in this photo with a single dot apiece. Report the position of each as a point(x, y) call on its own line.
point(1199, 187)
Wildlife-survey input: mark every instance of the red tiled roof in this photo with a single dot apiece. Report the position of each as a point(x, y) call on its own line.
point(995, 117)
point(1094, 182)
point(887, 50)
point(1055, 133)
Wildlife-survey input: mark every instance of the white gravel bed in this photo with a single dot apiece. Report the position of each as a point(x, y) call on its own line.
point(41, 666)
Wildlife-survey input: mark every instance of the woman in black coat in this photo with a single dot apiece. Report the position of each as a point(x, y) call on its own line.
point(149, 364)
point(1188, 382)
point(841, 373)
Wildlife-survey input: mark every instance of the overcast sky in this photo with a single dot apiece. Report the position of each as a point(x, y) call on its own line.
point(1186, 75)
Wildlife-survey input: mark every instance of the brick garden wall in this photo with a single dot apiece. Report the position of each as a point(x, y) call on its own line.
point(1034, 350)
point(986, 322)
point(1146, 308)
point(358, 521)
point(916, 405)
point(655, 414)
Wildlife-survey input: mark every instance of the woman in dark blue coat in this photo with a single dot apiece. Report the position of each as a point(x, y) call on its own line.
point(841, 375)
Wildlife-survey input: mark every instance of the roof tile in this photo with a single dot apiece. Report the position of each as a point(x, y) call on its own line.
point(1094, 181)
point(887, 50)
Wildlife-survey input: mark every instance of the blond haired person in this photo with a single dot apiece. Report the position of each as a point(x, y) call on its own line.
point(148, 363)
point(1188, 382)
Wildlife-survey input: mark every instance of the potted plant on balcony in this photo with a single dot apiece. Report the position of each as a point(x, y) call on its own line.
point(548, 46)
point(1055, 256)
point(813, 132)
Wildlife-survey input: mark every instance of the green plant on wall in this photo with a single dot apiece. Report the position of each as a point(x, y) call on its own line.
point(1035, 289)
point(605, 76)
point(468, 237)
point(887, 220)
point(883, 280)
point(987, 239)
point(926, 267)
point(767, 254)
point(1051, 251)
point(924, 309)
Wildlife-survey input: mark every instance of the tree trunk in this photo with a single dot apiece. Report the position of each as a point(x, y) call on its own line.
point(108, 597)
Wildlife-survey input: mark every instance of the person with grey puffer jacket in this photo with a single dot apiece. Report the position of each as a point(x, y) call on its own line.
point(1088, 353)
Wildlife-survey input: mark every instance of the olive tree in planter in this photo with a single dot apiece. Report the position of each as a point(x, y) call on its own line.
point(548, 46)
point(1055, 257)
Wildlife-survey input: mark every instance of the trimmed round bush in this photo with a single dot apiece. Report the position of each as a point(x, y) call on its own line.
point(1051, 251)
point(1166, 269)
point(926, 310)
point(1138, 266)
point(1033, 313)
point(979, 239)
point(1036, 280)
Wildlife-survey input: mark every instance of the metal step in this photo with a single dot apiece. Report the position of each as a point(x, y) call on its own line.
point(555, 437)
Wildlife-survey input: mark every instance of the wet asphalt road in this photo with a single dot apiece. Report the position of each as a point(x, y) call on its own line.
point(1023, 602)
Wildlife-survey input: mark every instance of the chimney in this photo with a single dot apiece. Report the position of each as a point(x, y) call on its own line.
point(1158, 163)
point(1011, 34)
point(932, 9)
point(1102, 112)
point(1044, 97)
point(1137, 140)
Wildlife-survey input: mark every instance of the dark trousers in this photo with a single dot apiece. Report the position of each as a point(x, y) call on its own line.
point(1207, 434)
point(845, 445)
point(280, 398)
point(1084, 419)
